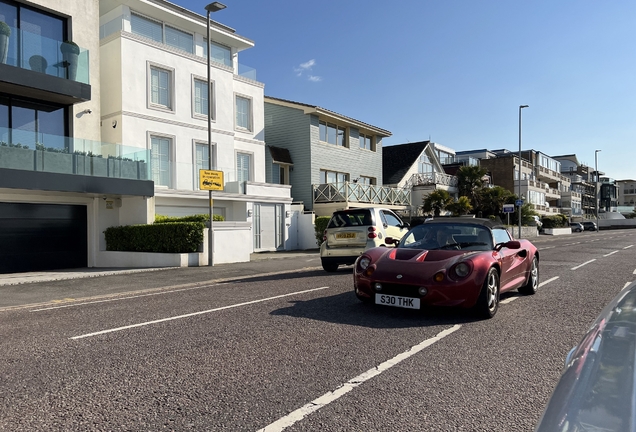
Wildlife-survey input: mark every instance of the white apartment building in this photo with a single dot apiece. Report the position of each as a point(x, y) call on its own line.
point(155, 97)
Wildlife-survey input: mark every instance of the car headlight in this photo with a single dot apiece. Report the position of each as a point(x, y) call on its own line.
point(462, 270)
point(363, 263)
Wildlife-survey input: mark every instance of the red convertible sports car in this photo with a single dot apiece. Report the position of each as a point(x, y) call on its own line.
point(461, 262)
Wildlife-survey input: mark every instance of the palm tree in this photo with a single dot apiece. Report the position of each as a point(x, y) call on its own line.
point(460, 207)
point(469, 181)
point(436, 201)
point(492, 200)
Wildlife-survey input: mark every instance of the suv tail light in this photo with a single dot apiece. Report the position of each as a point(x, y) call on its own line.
point(324, 236)
point(372, 233)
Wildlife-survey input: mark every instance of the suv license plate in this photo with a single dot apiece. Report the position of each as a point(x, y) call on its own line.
point(345, 235)
point(403, 302)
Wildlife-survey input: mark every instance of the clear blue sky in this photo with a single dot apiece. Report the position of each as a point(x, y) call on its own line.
point(457, 70)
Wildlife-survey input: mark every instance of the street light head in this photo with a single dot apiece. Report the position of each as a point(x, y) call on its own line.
point(215, 7)
point(523, 106)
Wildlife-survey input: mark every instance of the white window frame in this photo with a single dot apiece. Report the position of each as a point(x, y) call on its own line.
point(151, 105)
point(171, 156)
point(250, 120)
point(251, 167)
point(163, 32)
point(195, 143)
point(211, 99)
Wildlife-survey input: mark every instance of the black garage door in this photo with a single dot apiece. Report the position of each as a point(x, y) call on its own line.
point(42, 237)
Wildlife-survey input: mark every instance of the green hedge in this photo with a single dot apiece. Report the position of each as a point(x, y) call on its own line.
point(556, 221)
point(175, 237)
point(320, 225)
point(204, 218)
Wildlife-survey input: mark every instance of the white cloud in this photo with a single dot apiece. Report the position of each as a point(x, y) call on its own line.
point(306, 67)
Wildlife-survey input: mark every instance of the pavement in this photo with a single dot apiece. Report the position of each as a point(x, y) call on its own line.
point(19, 290)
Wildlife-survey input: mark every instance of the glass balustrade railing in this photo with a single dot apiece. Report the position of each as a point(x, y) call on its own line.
point(48, 56)
point(31, 151)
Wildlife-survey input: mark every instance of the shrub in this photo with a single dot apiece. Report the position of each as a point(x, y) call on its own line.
point(203, 218)
point(5, 29)
point(555, 221)
point(320, 225)
point(176, 237)
point(69, 47)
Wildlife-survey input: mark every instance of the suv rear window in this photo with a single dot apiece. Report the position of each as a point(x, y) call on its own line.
point(350, 218)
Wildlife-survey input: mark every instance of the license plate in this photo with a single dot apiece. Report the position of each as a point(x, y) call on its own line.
point(397, 301)
point(345, 235)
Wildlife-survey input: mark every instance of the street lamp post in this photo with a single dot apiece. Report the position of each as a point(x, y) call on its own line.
point(596, 199)
point(520, 165)
point(212, 7)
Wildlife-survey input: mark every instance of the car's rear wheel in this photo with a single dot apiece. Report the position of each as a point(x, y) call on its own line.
point(533, 279)
point(488, 301)
point(330, 267)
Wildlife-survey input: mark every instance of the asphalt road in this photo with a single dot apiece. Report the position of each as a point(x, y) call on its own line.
point(296, 349)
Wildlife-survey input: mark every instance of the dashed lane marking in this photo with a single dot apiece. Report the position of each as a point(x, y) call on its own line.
point(581, 265)
point(147, 323)
point(511, 299)
point(327, 398)
point(611, 253)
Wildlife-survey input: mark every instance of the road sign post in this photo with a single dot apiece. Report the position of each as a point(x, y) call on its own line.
point(211, 180)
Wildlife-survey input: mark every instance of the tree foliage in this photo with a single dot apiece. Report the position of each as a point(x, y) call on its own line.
point(492, 200)
point(469, 182)
point(460, 207)
point(437, 201)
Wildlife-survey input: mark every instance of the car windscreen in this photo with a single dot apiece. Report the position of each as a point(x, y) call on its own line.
point(448, 236)
point(350, 218)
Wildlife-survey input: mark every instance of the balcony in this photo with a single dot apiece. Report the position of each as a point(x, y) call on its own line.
point(45, 69)
point(432, 179)
point(548, 174)
point(361, 193)
point(30, 151)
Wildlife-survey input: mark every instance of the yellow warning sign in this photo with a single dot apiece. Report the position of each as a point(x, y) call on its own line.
point(210, 180)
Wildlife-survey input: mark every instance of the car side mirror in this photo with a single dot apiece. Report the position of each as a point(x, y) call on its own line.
point(405, 225)
point(391, 240)
point(512, 244)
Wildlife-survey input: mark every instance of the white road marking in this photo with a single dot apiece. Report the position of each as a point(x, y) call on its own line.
point(585, 263)
point(627, 247)
point(329, 397)
point(511, 299)
point(611, 253)
point(626, 285)
point(194, 314)
point(121, 298)
point(548, 281)
point(634, 272)
point(548, 247)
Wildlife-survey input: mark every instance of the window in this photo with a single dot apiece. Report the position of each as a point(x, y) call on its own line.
point(332, 134)
point(280, 174)
point(160, 158)
point(391, 219)
point(220, 54)
point(425, 166)
point(146, 27)
point(366, 180)
point(156, 31)
point(160, 87)
point(243, 113)
point(366, 142)
point(333, 177)
point(179, 39)
point(200, 98)
point(243, 169)
point(202, 159)
point(501, 235)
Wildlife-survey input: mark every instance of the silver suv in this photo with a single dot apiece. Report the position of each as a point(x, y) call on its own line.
point(351, 232)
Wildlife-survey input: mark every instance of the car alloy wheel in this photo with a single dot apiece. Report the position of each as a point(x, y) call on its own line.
point(488, 301)
point(533, 280)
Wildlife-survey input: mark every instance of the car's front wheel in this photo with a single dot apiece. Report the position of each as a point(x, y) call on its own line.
point(533, 279)
point(488, 301)
point(330, 267)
